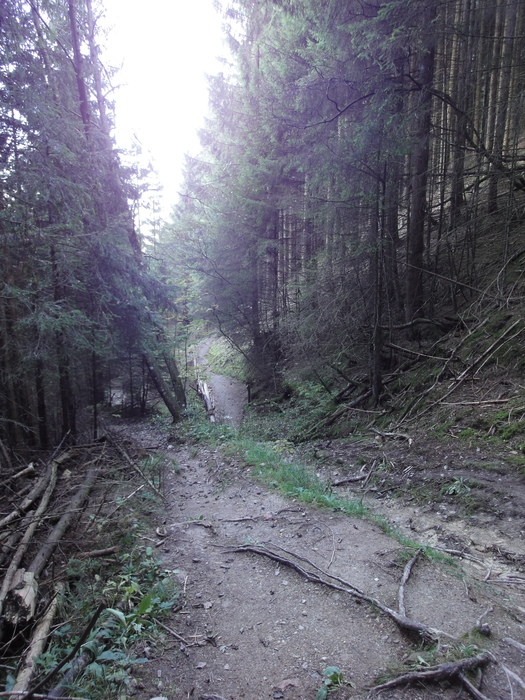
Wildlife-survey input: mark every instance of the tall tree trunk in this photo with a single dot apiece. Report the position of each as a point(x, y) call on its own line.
point(43, 435)
point(67, 399)
point(169, 398)
point(83, 100)
point(502, 107)
point(420, 162)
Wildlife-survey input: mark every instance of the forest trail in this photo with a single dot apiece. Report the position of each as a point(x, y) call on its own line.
point(253, 628)
point(228, 395)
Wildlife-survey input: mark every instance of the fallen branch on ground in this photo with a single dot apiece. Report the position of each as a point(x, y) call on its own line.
point(349, 480)
point(37, 645)
point(81, 640)
point(28, 536)
point(406, 575)
point(123, 452)
point(447, 671)
point(98, 553)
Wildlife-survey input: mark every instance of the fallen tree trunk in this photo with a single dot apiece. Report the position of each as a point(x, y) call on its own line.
point(37, 644)
point(60, 528)
point(28, 536)
point(37, 489)
point(21, 589)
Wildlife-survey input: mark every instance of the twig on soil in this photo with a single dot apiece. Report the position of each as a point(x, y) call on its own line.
point(442, 672)
point(98, 553)
point(406, 575)
point(172, 632)
point(123, 452)
point(318, 575)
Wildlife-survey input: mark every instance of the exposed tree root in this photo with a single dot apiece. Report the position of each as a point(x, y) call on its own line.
point(317, 575)
point(447, 671)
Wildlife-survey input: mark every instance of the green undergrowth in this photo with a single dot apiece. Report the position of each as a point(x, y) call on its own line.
point(273, 463)
point(223, 358)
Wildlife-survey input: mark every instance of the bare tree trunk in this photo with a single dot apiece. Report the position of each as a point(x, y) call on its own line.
point(170, 400)
point(420, 162)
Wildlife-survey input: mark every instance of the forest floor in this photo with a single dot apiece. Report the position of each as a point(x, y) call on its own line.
point(253, 627)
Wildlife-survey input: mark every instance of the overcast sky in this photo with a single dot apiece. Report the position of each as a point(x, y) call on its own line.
point(165, 47)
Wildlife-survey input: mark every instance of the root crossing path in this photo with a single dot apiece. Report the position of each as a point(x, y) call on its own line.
point(252, 627)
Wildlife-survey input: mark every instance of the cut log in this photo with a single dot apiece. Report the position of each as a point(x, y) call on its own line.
point(17, 601)
point(21, 596)
point(60, 528)
point(28, 535)
point(204, 393)
point(37, 644)
point(37, 489)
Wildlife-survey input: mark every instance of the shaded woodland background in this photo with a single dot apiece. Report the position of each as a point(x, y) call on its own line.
point(360, 190)
point(358, 197)
point(80, 303)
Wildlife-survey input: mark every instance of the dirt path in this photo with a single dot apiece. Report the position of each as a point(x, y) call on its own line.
point(228, 395)
point(252, 628)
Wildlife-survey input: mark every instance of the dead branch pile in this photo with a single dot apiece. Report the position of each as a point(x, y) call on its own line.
point(39, 509)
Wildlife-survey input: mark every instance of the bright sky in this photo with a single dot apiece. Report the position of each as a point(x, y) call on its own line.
point(165, 47)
